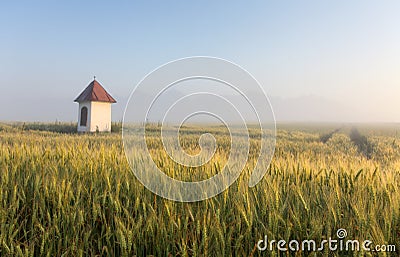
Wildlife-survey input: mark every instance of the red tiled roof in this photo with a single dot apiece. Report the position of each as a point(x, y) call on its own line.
point(95, 92)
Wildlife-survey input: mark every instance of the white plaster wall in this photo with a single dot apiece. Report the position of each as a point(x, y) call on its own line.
point(100, 116)
point(84, 128)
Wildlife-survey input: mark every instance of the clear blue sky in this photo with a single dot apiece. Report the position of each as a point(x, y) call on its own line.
point(344, 53)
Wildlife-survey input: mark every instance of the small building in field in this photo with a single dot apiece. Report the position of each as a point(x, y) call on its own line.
point(94, 108)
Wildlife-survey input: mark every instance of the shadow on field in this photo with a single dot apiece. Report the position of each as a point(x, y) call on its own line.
point(325, 137)
point(361, 142)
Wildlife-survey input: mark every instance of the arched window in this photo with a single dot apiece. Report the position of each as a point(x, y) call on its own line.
point(83, 116)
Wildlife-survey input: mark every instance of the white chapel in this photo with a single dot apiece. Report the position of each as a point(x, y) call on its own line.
point(94, 108)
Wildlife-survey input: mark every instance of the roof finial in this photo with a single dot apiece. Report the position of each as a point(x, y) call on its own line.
point(94, 77)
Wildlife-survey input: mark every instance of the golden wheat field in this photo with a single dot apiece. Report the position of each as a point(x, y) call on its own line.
point(74, 195)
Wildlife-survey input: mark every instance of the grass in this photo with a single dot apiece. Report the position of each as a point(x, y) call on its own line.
point(58, 127)
point(74, 195)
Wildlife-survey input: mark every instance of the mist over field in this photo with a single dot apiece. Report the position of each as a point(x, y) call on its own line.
point(310, 108)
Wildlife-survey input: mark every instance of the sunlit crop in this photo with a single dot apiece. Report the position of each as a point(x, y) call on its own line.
point(74, 195)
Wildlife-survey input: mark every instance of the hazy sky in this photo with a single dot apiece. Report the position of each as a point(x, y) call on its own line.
point(338, 57)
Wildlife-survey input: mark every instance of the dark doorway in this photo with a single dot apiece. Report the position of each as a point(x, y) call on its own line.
point(83, 116)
